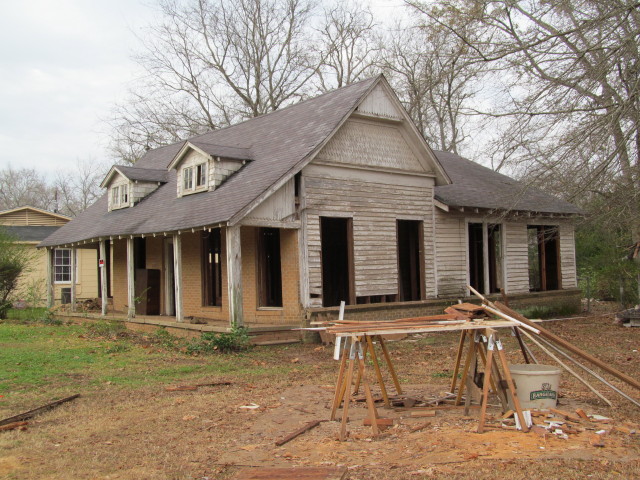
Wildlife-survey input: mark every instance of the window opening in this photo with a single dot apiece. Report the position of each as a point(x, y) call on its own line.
point(410, 260)
point(494, 237)
point(337, 261)
point(476, 257)
point(269, 267)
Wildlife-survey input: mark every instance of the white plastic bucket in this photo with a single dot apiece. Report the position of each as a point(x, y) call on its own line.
point(537, 385)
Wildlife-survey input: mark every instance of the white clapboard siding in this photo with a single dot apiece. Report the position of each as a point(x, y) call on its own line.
point(568, 255)
point(139, 190)
point(451, 257)
point(516, 257)
point(374, 207)
point(279, 206)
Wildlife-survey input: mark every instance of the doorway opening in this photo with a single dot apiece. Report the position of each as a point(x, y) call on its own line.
point(336, 236)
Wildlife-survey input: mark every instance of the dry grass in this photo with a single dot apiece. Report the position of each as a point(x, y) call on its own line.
point(137, 430)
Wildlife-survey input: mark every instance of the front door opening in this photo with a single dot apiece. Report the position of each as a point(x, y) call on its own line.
point(337, 261)
point(269, 268)
point(410, 260)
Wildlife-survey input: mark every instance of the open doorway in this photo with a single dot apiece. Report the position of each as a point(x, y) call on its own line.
point(544, 258)
point(169, 279)
point(336, 236)
point(410, 260)
point(476, 257)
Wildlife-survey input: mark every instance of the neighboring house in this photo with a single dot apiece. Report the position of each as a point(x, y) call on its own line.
point(30, 225)
point(279, 218)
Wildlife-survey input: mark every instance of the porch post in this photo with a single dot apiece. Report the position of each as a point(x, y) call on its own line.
point(485, 257)
point(73, 279)
point(234, 275)
point(131, 300)
point(50, 283)
point(103, 276)
point(177, 275)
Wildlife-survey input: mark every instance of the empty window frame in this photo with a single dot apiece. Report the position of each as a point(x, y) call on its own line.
point(486, 271)
point(212, 268)
point(544, 258)
point(410, 260)
point(194, 177)
point(269, 268)
point(338, 281)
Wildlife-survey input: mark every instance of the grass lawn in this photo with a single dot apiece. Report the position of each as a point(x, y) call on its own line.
point(127, 425)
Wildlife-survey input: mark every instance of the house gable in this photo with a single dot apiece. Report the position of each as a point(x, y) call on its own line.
point(119, 189)
point(31, 216)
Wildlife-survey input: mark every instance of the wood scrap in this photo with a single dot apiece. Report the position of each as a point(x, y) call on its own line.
point(381, 422)
point(185, 388)
point(292, 473)
point(423, 413)
point(565, 415)
point(36, 411)
point(417, 428)
point(13, 426)
point(581, 413)
point(298, 432)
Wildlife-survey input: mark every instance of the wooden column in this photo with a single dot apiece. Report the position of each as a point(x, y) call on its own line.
point(177, 276)
point(131, 289)
point(73, 279)
point(50, 280)
point(234, 275)
point(103, 276)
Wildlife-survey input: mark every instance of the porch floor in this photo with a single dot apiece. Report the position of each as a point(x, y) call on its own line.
point(170, 322)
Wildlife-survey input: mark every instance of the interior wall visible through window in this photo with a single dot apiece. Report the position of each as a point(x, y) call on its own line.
point(212, 268)
point(544, 258)
point(269, 268)
point(485, 247)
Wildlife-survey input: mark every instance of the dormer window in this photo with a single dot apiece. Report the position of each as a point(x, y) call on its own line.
point(194, 178)
point(120, 196)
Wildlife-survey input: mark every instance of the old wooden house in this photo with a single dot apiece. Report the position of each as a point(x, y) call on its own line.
point(279, 218)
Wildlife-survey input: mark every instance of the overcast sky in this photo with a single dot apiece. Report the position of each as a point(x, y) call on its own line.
point(63, 66)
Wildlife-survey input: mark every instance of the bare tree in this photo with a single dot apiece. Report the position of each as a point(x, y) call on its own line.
point(570, 71)
point(77, 190)
point(24, 186)
point(211, 63)
point(350, 47)
point(436, 76)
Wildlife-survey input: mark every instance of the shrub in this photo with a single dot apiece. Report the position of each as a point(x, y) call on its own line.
point(236, 340)
point(108, 329)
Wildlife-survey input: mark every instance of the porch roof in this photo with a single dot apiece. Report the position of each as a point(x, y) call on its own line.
point(476, 186)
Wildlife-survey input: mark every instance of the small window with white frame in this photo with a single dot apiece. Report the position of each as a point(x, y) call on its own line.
point(62, 265)
point(194, 178)
point(119, 196)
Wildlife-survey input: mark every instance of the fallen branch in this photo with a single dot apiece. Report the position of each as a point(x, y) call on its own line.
point(36, 411)
point(187, 388)
point(13, 426)
point(298, 432)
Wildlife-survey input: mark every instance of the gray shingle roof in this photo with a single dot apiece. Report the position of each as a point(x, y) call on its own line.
point(29, 233)
point(144, 174)
point(480, 187)
point(278, 143)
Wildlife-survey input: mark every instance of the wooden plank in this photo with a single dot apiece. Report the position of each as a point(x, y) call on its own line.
point(376, 367)
point(234, 275)
point(298, 432)
point(13, 426)
point(292, 473)
point(392, 370)
point(31, 413)
point(131, 300)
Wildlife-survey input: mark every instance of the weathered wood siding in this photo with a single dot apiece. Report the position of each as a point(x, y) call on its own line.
point(139, 190)
point(568, 255)
point(374, 201)
point(378, 103)
point(279, 207)
point(451, 258)
point(516, 257)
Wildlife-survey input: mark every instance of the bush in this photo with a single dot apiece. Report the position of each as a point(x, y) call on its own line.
point(235, 340)
point(14, 260)
point(110, 329)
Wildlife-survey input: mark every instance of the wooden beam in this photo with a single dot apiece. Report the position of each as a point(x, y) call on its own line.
point(73, 279)
point(50, 280)
point(131, 301)
point(177, 276)
point(234, 275)
point(103, 276)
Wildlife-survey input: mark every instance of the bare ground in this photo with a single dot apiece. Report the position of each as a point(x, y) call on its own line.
point(151, 433)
